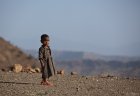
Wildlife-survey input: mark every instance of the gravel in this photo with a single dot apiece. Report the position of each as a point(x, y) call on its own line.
point(26, 84)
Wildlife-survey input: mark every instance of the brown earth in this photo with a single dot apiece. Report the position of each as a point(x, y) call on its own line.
point(10, 55)
point(25, 84)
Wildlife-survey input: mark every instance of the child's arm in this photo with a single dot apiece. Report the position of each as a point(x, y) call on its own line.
point(41, 62)
point(41, 57)
point(52, 60)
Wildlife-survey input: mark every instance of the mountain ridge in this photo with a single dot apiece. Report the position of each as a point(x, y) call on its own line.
point(75, 55)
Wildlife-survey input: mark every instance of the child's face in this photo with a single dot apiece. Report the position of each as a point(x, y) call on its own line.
point(45, 41)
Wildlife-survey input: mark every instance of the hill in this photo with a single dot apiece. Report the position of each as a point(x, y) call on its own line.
point(10, 54)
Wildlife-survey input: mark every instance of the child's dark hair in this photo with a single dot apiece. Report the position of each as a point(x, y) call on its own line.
point(44, 36)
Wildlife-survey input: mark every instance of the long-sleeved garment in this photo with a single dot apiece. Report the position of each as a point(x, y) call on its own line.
point(45, 58)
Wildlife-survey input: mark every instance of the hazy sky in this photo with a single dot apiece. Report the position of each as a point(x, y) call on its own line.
point(108, 27)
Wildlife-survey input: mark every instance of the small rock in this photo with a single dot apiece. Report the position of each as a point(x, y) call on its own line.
point(77, 89)
point(62, 72)
point(29, 69)
point(32, 70)
point(93, 79)
point(127, 77)
point(74, 73)
point(4, 70)
point(106, 75)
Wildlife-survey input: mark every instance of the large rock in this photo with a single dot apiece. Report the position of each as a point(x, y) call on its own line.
point(32, 70)
point(29, 69)
point(17, 68)
point(37, 70)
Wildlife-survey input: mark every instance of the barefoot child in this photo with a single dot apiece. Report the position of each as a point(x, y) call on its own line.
point(46, 61)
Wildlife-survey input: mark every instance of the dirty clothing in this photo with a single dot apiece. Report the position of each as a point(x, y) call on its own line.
point(45, 56)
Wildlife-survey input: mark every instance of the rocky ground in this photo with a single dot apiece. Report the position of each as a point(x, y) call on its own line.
point(26, 84)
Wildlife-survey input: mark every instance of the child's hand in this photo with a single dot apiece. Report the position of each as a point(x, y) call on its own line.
point(42, 66)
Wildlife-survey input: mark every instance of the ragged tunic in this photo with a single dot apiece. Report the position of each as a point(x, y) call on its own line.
point(45, 56)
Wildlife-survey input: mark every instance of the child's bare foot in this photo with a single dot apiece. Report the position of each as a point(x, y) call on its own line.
point(43, 83)
point(49, 83)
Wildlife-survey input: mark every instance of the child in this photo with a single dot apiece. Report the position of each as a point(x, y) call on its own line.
point(46, 61)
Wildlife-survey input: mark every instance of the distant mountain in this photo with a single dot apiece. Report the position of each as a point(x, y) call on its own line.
point(72, 55)
point(93, 64)
point(59, 55)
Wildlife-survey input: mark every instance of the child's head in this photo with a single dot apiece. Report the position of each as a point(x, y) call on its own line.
point(45, 39)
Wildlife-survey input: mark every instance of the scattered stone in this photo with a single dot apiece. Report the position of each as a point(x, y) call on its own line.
point(106, 76)
point(77, 89)
point(37, 70)
point(29, 69)
point(83, 76)
point(32, 70)
point(61, 72)
point(74, 73)
point(17, 68)
point(86, 77)
point(4, 70)
point(127, 78)
point(93, 78)
point(7, 69)
point(116, 77)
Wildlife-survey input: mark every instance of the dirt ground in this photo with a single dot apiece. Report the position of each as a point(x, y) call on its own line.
point(26, 84)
